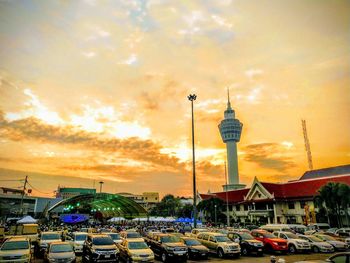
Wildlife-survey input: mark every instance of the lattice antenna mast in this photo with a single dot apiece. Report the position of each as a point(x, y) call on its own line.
point(307, 145)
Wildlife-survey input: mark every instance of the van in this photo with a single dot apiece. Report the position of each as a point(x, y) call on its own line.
point(276, 227)
point(318, 227)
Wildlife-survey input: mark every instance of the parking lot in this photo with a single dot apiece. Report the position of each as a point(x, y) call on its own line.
point(264, 259)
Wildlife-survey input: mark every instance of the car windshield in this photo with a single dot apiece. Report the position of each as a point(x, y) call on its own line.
point(291, 235)
point(61, 248)
point(314, 239)
point(170, 239)
point(192, 242)
point(327, 238)
point(246, 236)
point(268, 235)
point(100, 241)
point(81, 237)
point(137, 245)
point(222, 239)
point(133, 235)
point(114, 236)
point(14, 245)
point(53, 236)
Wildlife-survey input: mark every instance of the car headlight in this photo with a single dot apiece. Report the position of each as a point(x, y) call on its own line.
point(170, 248)
point(275, 243)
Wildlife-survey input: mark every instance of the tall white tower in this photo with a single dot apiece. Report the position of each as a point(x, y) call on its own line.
point(230, 130)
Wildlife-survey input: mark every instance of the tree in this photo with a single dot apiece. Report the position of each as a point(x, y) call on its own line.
point(168, 206)
point(208, 207)
point(185, 211)
point(334, 197)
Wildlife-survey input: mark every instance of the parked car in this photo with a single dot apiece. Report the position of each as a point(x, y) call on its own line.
point(115, 237)
point(219, 244)
point(78, 241)
point(195, 231)
point(99, 248)
point(45, 239)
point(130, 234)
point(249, 245)
point(276, 227)
point(271, 242)
point(295, 244)
point(16, 250)
point(168, 247)
point(317, 245)
point(135, 250)
point(338, 245)
point(337, 258)
point(195, 248)
point(60, 252)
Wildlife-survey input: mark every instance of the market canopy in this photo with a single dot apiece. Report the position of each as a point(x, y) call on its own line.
point(27, 220)
point(102, 204)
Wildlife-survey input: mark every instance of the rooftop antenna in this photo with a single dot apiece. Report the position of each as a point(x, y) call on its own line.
point(307, 145)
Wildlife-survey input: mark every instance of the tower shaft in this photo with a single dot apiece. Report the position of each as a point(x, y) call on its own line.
point(231, 147)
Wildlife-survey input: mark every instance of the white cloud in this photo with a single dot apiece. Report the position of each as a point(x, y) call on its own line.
point(221, 21)
point(253, 72)
point(131, 60)
point(287, 144)
point(89, 54)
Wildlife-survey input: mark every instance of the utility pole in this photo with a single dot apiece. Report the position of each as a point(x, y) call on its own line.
point(23, 191)
point(192, 97)
point(227, 210)
point(307, 145)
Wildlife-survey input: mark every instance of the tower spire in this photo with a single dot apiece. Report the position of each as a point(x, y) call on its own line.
point(228, 99)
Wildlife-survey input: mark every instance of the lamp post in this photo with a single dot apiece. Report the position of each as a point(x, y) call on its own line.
point(192, 97)
point(101, 183)
point(216, 218)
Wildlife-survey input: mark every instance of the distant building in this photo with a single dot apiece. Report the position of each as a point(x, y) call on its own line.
point(290, 202)
point(68, 192)
point(11, 191)
point(147, 199)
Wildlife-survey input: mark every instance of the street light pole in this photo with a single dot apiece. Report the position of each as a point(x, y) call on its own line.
point(216, 219)
point(101, 183)
point(192, 97)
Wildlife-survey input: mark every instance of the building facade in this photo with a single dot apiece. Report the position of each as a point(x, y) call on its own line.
point(290, 202)
point(147, 200)
point(68, 192)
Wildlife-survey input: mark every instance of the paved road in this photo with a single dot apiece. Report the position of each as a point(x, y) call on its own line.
point(264, 259)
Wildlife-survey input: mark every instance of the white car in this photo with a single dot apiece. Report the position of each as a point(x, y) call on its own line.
point(16, 250)
point(338, 245)
point(295, 243)
point(46, 238)
point(317, 245)
point(60, 252)
point(78, 241)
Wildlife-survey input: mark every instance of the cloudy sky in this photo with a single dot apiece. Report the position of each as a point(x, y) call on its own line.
point(96, 90)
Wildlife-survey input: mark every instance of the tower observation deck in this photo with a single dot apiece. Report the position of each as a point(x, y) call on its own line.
point(230, 130)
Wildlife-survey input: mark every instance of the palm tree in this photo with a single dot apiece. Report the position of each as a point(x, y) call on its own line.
point(334, 197)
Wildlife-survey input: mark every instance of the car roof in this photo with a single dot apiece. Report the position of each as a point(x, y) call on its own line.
point(92, 235)
point(50, 232)
point(18, 238)
point(80, 233)
point(60, 243)
point(136, 240)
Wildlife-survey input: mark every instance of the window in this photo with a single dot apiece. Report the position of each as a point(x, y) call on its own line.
point(291, 205)
point(302, 204)
point(212, 239)
point(238, 207)
point(245, 207)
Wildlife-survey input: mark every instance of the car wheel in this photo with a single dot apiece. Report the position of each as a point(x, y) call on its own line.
point(164, 257)
point(220, 253)
point(315, 249)
point(244, 251)
point(292, 249)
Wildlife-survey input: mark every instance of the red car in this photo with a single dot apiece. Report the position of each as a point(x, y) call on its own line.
point(271, 243)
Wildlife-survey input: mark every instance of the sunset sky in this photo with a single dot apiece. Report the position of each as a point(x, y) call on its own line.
point(97, 90)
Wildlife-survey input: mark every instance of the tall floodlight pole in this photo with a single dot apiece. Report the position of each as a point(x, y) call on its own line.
point(227, 210)
point(192, 97)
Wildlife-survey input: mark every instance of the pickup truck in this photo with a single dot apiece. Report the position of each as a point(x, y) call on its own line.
point(167, 247)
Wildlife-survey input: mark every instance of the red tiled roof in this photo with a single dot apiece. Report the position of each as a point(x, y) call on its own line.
point(303, 188)
point(233, 196)
point(290, 190)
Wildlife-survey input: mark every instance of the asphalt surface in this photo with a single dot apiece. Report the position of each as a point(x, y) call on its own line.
point(249, 259)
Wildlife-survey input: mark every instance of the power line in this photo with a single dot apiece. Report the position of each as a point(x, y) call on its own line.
point(36, 189)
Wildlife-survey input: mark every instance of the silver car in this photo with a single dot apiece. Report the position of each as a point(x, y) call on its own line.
point(61, 252)
point(338, 245)
point(317, 245)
